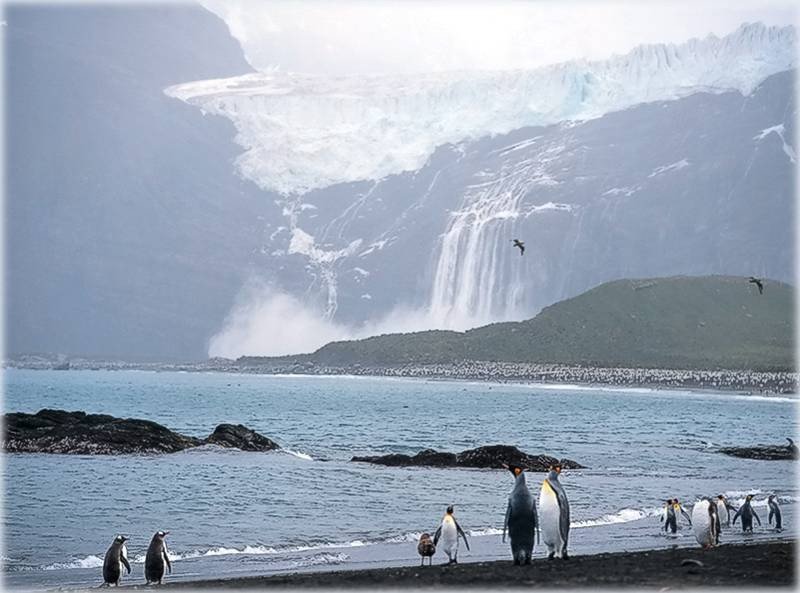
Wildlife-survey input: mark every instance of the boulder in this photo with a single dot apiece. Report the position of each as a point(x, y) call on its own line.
point(238, 436)
point(494, 456)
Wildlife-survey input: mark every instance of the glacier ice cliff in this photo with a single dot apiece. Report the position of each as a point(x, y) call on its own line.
point(302, 132)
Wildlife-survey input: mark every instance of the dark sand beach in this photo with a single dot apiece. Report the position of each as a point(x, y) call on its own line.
point(742, 565)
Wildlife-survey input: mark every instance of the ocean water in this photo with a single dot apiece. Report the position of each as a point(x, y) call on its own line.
point(232, 513)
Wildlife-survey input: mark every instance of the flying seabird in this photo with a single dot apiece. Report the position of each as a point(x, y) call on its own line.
point(758, 283)
point(520, 244)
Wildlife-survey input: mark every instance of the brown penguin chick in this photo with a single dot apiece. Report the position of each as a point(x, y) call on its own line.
point(426, 548)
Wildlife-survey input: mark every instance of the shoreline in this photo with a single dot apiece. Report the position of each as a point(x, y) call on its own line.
point(493, 373)
point(740, 565)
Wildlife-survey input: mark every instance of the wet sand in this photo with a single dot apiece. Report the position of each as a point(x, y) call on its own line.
point(745, 565)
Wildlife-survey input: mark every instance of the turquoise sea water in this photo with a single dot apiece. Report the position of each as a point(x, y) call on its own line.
point(233, 513)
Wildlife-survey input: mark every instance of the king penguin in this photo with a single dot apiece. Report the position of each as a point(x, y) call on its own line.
point(774, 511)
point(705, 523)
point(676, 504)
point(157, 559)
point(521, 520)
point(449, 530)
point(724, 509)
point(746, 512)
point(668, 517)
point(554, 509)
point(116, 558)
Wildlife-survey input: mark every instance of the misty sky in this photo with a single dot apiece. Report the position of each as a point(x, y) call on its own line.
point(359, 37)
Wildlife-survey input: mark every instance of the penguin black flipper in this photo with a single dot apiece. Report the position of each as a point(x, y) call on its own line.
point(125, 562)
point(436, 535)
point(756, 516)
point(536, 522)
point(771, 514)
point(685, 514)
point(166, 559)
point(461, 533)
point(563, 507)
point(736, 516)
point(505, 522)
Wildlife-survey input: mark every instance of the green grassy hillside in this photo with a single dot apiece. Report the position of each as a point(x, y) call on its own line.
point(679, 322)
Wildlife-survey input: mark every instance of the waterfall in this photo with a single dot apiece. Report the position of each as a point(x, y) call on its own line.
point(479, 276)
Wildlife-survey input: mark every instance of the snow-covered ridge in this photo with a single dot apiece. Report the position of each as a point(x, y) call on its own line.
point(302, 132)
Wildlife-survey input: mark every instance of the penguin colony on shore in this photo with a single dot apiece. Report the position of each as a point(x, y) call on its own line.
point(523, 524)
point(710, 516)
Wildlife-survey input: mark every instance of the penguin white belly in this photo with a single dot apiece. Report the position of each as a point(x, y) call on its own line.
point(701, 524)
point(722, 513)
point(449, 537)
point(123, 553)
point(550, 518)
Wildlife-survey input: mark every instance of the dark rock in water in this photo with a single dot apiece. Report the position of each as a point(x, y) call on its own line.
point(768, 452)
point(427, 457)
point(240, 437)
point(79, 433)
point(491, 456)
point(495, 456)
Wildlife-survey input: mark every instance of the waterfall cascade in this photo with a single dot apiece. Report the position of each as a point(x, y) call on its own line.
point(479, 276)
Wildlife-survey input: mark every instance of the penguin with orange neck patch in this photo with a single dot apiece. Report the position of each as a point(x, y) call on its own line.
point(554, 514)
point(521, 518)
point(448, 531)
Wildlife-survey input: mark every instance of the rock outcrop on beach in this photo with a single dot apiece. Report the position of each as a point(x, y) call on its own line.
point(490, 456)
point(79, 433)
point(767, 452)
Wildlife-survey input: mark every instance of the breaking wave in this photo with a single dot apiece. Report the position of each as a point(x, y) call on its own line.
point(298, 454)
point(622, 516)
point(321, 559)
point(90, 561)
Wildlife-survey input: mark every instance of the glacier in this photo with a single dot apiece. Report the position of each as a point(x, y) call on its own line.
point(302, 132)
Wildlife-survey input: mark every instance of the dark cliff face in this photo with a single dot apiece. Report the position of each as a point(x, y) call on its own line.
point(128, 232)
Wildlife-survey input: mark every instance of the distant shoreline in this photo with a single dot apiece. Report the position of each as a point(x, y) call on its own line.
point(732, 565)
point(731, 380)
